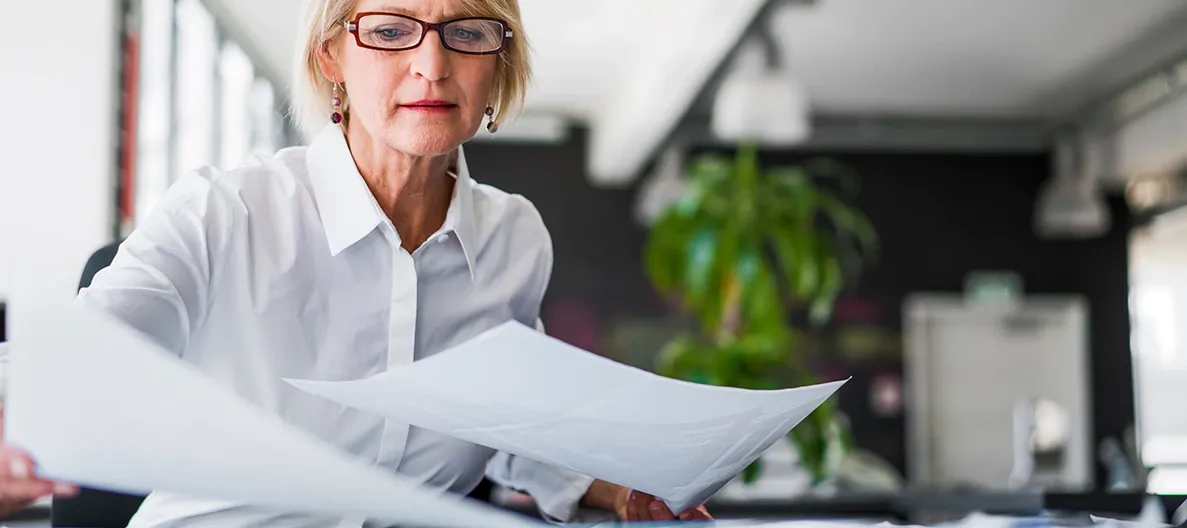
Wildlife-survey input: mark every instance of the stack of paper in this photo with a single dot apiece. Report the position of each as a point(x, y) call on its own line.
point(516, 390)
point(96, 404)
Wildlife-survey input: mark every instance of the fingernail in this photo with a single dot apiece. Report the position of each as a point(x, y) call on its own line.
point(19, 469)
point(62, 488)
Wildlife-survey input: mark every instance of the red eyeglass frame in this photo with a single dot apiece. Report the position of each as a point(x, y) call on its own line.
point(352, 26)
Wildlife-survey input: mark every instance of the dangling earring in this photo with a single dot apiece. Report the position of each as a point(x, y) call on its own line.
point(492, 126)
point(336, 102)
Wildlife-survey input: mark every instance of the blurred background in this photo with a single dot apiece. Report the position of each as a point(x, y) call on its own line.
point(969, 207)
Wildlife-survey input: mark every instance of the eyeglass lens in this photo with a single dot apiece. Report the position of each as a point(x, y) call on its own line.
point(395, 32)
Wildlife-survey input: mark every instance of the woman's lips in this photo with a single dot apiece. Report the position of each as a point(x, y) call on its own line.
point(430, 106)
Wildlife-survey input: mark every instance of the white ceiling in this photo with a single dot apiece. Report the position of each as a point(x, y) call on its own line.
point(1002, 58)
point(629, 69)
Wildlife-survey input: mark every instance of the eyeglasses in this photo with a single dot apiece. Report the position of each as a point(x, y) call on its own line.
point(392, 32)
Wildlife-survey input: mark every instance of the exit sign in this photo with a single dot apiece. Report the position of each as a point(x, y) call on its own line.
point(996, 287)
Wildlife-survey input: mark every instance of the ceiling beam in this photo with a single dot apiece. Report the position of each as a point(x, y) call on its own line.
point(645, 111)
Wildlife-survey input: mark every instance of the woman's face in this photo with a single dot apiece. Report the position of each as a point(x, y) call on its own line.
point(423, 101)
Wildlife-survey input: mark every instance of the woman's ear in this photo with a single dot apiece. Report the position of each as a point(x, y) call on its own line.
point(328, 63)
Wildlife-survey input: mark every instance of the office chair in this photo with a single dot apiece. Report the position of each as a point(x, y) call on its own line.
point(93, 508)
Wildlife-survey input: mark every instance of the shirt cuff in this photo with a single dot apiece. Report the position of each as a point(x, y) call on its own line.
point(556, 492)
point(563, 503)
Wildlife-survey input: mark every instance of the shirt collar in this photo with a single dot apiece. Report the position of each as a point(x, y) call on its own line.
point(349, 211)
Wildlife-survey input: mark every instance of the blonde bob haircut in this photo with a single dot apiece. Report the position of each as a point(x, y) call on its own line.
point(322, 21)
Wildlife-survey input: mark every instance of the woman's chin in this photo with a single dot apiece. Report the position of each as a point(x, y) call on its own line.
point(426, 140)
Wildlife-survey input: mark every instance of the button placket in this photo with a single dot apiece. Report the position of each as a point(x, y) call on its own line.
point(401, 342)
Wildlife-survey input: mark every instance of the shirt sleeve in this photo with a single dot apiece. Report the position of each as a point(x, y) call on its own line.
point(557, 492)
point(159, 281)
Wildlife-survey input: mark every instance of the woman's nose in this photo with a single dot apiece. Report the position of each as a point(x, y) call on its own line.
point(431, 60)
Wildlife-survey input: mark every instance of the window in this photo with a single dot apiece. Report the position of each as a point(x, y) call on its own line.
point(238, 78)
point(1158, 295)
point(197, 49)
point(267, 131)
point(201, 100)
point(155, 115)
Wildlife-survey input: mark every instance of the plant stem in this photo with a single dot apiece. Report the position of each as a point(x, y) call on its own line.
point(731, 313)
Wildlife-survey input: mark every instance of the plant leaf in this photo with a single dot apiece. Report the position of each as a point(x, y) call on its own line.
point(751, 472)
point(831, 276)
point(764, 311)
point(701, 259)
point(849, 221)
point(830, 168)
point(663, 252)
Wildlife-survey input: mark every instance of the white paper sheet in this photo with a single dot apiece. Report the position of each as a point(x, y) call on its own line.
point(520, 391)
point(99, 405)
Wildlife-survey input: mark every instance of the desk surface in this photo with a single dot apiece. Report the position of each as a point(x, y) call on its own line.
point(36, 516)
point(852, 508)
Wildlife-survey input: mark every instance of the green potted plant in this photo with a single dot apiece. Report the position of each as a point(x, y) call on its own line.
point(744, 250)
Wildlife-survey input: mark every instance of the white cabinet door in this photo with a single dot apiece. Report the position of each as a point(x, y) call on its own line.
point(970, 367)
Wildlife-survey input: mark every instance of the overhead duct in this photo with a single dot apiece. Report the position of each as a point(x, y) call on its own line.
point(1071, 204)
point(1142, 129)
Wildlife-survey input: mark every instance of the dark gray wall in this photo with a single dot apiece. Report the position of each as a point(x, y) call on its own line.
point(964, 212)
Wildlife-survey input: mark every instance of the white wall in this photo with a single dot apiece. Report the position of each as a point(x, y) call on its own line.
point(58, 81)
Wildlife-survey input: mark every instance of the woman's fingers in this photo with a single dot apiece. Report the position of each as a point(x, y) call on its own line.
point(638, 506)
point(19, 483)
point(660, 511)
point(641, 507)
point(642, 502)
point(696, 514)
point(632, 507)
point(65, 489)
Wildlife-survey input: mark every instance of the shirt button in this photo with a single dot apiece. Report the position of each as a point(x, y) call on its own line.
point(441, 239)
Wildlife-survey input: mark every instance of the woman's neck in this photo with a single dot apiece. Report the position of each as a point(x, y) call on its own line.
point(413, 191)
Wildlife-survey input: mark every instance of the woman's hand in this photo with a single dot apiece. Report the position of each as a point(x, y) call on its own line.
point(632, 506)
point(19, 484)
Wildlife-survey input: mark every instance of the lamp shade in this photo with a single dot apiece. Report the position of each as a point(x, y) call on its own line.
point(1071, 209)
point(1071, 204)
point(769, 107)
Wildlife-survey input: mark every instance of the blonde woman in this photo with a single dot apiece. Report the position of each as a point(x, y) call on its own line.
point(369, 248)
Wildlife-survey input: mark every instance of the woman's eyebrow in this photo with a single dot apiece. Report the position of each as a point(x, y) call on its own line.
point(397, 10)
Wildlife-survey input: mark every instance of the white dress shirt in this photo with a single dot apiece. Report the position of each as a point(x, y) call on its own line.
point(289, 268)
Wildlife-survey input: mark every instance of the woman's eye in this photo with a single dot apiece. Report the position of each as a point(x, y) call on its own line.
point(464, 34)
point(390, 33)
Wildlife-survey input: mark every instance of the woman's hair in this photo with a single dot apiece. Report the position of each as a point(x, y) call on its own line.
point(322, 21)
